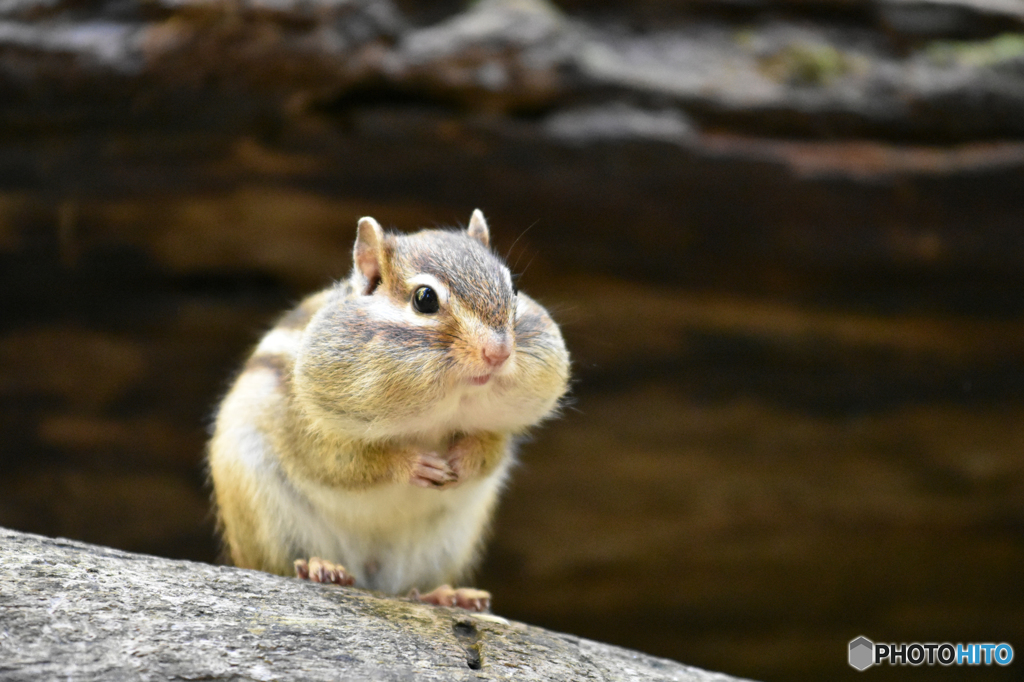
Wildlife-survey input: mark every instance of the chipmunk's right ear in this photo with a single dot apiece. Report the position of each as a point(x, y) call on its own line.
point(368, 254)
point(478, 228)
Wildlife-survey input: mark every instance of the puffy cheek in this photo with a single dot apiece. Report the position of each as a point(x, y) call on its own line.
point(416, 377)
point(535, 388)
point(549, 362)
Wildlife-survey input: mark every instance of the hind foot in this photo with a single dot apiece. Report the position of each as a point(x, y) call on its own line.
point(321, 571)
point(464, 597)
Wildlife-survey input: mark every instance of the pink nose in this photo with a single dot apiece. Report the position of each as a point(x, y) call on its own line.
point(496, 353)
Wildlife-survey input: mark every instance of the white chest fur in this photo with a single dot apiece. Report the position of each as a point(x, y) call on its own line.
point(392, 537)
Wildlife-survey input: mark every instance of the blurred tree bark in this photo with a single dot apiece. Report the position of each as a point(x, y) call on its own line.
point(907, 116)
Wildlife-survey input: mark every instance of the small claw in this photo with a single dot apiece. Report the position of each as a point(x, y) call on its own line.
point(301, 569)
point(423, 482)
point(430, 471)
point(472, 599)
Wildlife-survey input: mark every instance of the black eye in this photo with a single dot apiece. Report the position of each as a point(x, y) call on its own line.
point(425, 300)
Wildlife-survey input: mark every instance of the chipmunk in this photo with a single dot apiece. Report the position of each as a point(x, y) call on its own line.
point(369, 434)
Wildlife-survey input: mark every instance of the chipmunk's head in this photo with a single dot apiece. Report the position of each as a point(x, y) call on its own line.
point(448, 285)
point(445, 340)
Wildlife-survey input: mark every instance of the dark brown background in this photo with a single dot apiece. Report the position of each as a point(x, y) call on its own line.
point(792, 289)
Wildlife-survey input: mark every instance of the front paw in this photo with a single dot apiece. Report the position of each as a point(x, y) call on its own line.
point(430, 471)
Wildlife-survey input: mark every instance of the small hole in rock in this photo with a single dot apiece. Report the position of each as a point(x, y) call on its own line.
point(464, 629)
point(473, 658)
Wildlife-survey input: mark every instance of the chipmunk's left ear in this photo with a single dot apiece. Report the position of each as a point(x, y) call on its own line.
point(478, 228)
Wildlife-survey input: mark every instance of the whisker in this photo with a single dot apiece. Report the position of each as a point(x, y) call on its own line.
point(521, 235)
point(523, 272)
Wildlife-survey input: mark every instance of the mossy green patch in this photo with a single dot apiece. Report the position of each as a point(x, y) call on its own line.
point(808, 64)
point(395, 610)
point(977, 53)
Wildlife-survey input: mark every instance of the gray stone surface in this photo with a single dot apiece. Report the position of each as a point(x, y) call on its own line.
point(74, 611)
